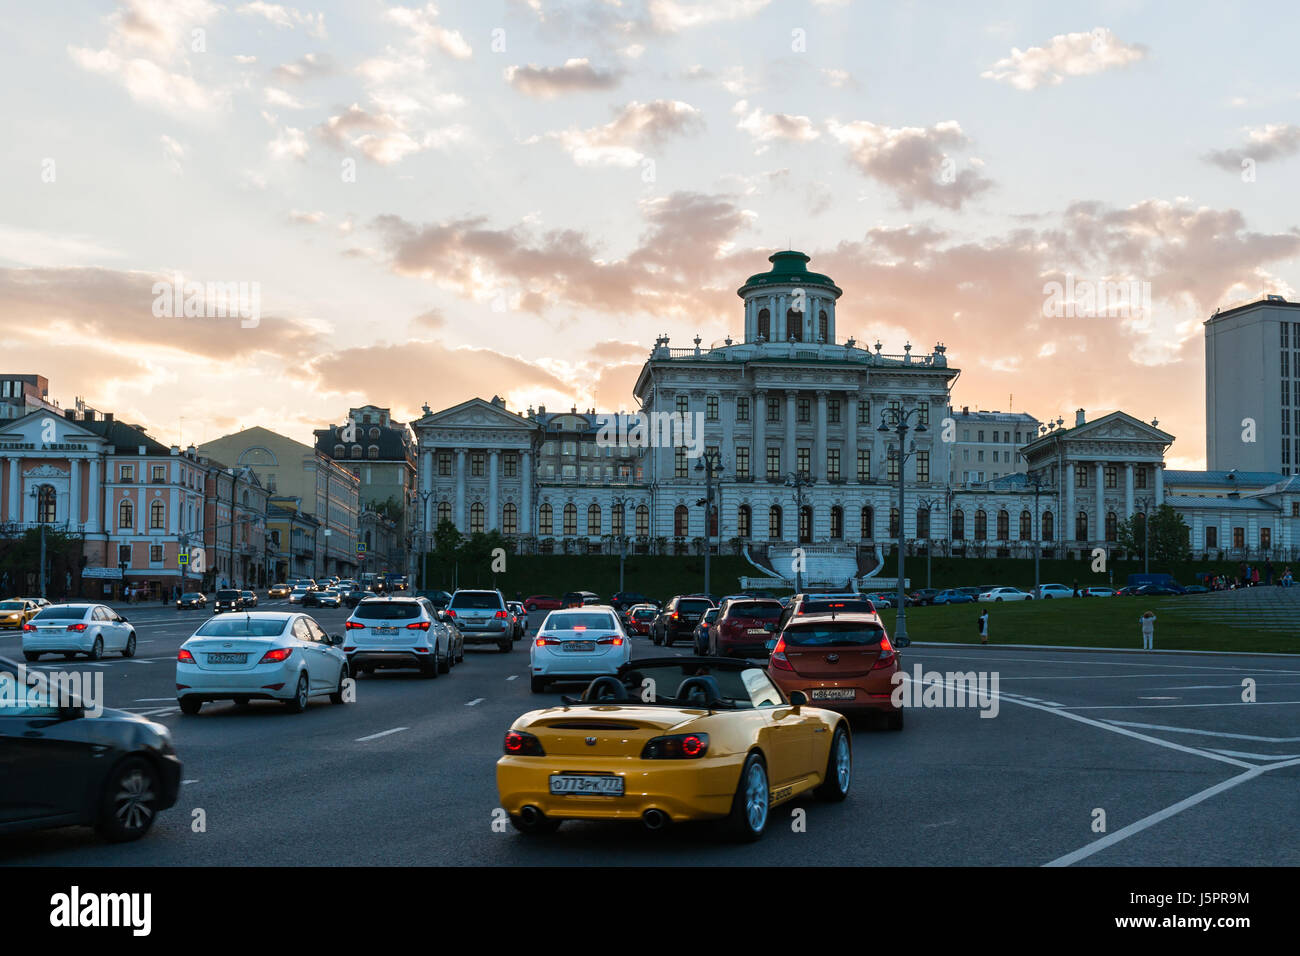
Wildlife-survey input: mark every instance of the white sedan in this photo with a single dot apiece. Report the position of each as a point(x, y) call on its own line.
point(578, 644)
point(90, 629)
point(260, 655)
point(1005, 594)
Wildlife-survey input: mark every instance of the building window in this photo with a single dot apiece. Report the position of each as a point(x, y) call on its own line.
point(593, 521)
point(340, 451)
point(711, 408)
point(864, 465)
point(773, 461)
point(864, 412)
point(823, 327)
point(923, 465)
point(1111, 474)
point(1112, 526)
point(805, 524)
point(774, 522)
point(894, 414)
point(510, 467)
point(1266, 539)
point(958, 525)
point(1026, 526)
point(804, 459)
point(476, 464)
point(1211, 537)
point(1140, 477)
point(372, 451)
point(743, 521)
point(680, 469)
point(1238, 538)
point(570, 519)
point(157, 516)
point(923, 522)
point(156, 553)
point(774, 408)
point(893, 522)
point(1004, 526)
point(742, 462)
point(765, 324)
point(794, 325)
point(476, 518)
point(1081, 476)
point(833, 464)
point(868, 522)
point(803, 408)
point(127, 473)
point(46, 505)
point(444, 464)
point(545, 520)
point(981, 525)
point(1048, 530)
point(126, 514)
point(617, 520)
point(159, 474)
point(356, 451)
point(742, 409)
point(642, 520)
point(923, 414)
point(1081, 526)
point(891, 465)
point(833, 411)
point(681, 521)
point(444, 511)
point(683, 404)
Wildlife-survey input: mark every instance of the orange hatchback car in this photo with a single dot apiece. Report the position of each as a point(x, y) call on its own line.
point(841, 662)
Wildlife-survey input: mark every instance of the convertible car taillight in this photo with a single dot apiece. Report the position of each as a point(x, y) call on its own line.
point(523, 744)
point(676, 747)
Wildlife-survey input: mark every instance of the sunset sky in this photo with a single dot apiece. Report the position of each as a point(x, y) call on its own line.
point(442, 201)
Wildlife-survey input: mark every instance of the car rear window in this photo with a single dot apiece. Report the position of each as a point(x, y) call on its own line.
point(241, 627)
point(761, 610)
point(587, 621)
point(698, 606)
point(836, 632)
point(837, 607)
point(387, 610)
point(61, 614)
point(476, 600)
point(645, 614)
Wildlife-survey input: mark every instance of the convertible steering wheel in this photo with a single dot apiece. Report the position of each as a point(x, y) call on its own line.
point(604, 688)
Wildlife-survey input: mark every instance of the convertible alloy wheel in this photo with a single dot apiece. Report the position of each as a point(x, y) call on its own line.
point(756, 797)
point(749, 807)
point(839, 767)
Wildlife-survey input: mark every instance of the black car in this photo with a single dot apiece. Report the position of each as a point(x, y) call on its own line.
point(250, 598)
point(579, 598)
point(626, 599)
point(676, 622)
point(61, 766)
point(191, 599)
point(228, 599)
point(327, 598)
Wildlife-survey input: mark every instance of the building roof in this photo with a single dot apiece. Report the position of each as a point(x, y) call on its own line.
point(788, 268)
point(1181, 502)
point(125, 438)
point(1224, 479)
point(392, 442)
point(1265, 302)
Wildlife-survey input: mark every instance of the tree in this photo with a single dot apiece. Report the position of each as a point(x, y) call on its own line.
point(1167, 537)
point(446, 540)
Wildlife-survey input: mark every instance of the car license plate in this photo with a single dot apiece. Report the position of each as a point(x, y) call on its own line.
point(385, 630)
point(758, 630)
point(833, 693)
point(579, 645)
point(587, 784)
point(227, 658)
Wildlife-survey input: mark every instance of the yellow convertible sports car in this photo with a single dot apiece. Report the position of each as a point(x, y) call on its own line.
point(672, 739)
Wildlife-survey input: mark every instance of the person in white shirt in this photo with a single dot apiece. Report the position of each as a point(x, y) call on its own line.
point(984, 627)
point(1148, 622)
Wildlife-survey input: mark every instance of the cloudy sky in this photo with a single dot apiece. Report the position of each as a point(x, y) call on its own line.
point(518, 196)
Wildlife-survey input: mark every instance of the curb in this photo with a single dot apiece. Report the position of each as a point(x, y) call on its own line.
point(1106, 650)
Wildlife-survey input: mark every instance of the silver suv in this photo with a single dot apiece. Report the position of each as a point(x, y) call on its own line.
point(387, 632)
point(482, 617)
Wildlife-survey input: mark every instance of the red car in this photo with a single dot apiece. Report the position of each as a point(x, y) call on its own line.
point(542, 602)
point(744, 627)
point(639, 619)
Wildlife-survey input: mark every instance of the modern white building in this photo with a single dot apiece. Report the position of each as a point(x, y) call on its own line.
point(986, 445)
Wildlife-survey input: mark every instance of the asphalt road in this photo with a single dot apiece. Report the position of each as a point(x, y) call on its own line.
point(1185, 772)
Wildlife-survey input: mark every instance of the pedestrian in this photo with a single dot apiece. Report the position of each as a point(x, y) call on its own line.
point(1148, 621)
point(1268, 572)
point(1286, 577)
point(1254, 576)
point(984, 626)
point(1076, 588)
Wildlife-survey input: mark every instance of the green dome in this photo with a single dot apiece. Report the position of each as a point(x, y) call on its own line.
point(788, 268)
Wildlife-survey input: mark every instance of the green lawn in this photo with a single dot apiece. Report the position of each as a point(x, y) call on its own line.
point(1095, 622)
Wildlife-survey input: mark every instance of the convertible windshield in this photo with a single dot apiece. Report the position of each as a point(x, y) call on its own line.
point(694, 685)
point(241, 627)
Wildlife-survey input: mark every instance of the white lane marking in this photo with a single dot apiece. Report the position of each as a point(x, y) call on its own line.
point(1101, 663)
point(1236, 703)
point(1254, 756)
point(134, 660)
point(153, 700)
point(476, 700)
point(1159, 698)
point(1206, 733)
point(183, 782)
point(1152, 819)
point(382, 733)
point(1224, 686)
point(513, 677)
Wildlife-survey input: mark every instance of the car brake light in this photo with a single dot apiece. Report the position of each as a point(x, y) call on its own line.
point(674, 615)
point(610, 640)
point(349, 650)
point(184, 657)
point(886, 654)
point(29, 627)
point(450, 612)
point(677, 747)
point(274, 656)
point(352, 625)
point(779, 660)
point(545, 642)
point(518, 743)
point(77, 627)
point(418, 626)
point(500, 614)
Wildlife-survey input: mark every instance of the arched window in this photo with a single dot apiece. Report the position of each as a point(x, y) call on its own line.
point(837, 523)
point(340, 451)
point(617, 520)
point(476, 518)
point(356, 451)
point(245, 498)
point(444, 511)
point(823, 327)
point(1047, 528)
point(681, 521)
point(794, 324)
point(1026, 526)
point(958, 525)
point(774, 522)
point(923, 523)
point(981, 525)
point(46, 504)
point(126, 514)
point(593, 521)
point(805, 524)
point(1112, 526)
point(372, 451)
point(743, 521)
point(374, 433)
point(893, 522)
point(765, 324)
point(868, 523)
point(1004, 525)
point(157, 516)
point(570, 519)
point(545, 520)
point(642, 520)
point(509, 519)
point(1081, 526)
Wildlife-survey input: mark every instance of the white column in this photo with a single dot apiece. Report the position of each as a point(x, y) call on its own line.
point(526, 492)
point(1067, 519)
point(758, 454)
point(173, 512)
point(460, 490)
point(96, 498)
point(1160, 485)
point(425, 478)
point(780, 311)
point(492, 523)
point(727, 409)
point(791, 458)
point(14, 482)
point(1100, 524)
point(850, 467)
point(819, 447)
point(1128, 490)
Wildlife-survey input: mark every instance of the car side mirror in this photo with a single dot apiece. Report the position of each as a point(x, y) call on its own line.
point(797, 699)
point(336, 639)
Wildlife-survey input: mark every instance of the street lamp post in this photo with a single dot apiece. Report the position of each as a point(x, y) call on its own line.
point(799, 480)
point(711, 464)
point(36, 500)
point(928, 504)
point(424, 534)
point(620, 505)
point(1146, 522)
point(1036, 480)
point(901, 428)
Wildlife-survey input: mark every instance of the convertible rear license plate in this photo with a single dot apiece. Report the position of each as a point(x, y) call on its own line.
point(227, 658)
point(587, 784)
point(833, 693)
point(579, 645)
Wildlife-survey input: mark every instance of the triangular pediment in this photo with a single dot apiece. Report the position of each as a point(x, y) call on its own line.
point(1119, 426)
point(475, 413)
point(44, 428)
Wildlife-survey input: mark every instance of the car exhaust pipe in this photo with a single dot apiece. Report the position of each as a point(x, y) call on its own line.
point(531, 815)
point(654, 819)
